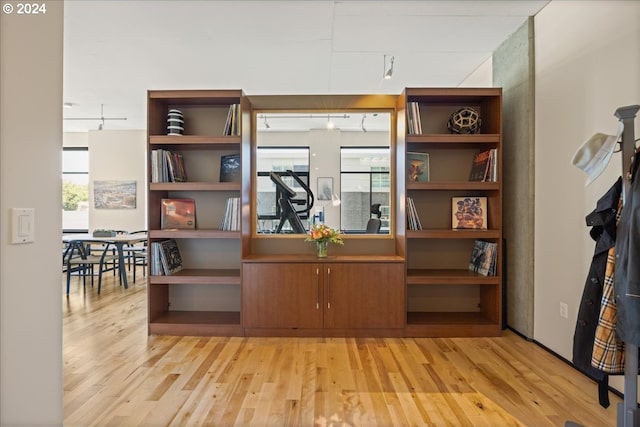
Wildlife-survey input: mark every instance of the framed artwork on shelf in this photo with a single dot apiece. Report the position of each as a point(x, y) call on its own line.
point(230, 168)
point(325, 188)
point(178, 214)
point(418, 167)
point(469, 213)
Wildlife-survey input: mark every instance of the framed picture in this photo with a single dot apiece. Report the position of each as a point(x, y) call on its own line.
point(178, 214)
point(418, 167)
point(114, 194)
point(230, 168)
point(469, 212)
point(325, 188)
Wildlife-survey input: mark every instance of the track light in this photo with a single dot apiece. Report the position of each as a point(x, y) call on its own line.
point(330, 124)
point(265, 123)
point(364, 116)
point(102, 118)
point(387, 70)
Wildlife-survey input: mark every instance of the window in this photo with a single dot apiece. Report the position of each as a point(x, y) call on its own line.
point(280, 160)
point(364, 183)
point(75, 189)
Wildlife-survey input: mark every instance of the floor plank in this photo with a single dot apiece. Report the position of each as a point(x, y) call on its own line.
point(116, 375)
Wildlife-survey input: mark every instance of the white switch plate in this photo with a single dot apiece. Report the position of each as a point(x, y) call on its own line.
point(22, 225)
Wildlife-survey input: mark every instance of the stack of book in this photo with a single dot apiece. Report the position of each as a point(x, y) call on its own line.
point(413, 220)
point(484, 166)
point(232, 125)
point(231, 219)
point(166, 258)
point(414, 125)
point(483, 258)
point(167, 166)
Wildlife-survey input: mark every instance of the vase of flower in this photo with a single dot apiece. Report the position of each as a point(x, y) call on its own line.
point(321, 248)
point(322, 235)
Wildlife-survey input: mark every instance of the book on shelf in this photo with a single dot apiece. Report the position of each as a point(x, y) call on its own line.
point(413, 220)
point(232, 124)
point(483, 258)
point(166, 258)
point(230, 168)
point(469, 213)
point(178, 214)
point(167, 166)
point(484, 167)
point(418, 167)
point(231, 219)
point(414, 124)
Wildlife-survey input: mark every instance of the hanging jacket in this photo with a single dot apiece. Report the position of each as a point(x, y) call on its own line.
point(603, 230)
point(627, 272)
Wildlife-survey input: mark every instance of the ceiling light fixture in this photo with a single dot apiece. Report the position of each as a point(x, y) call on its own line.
point(102, 118)
point(387, 70)
point(330, 124)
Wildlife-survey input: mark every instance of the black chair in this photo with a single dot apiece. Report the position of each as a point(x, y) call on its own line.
point(373, 226)
point(138, 254)
point(80, 260)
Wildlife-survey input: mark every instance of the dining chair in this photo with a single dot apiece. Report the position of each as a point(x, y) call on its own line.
point(81, 259)
point(139, 254)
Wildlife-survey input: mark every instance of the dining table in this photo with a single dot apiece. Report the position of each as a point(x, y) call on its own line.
point(119, 241)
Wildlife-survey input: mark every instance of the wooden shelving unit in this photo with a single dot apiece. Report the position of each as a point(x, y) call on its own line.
point(204, 297)
point(444, 298)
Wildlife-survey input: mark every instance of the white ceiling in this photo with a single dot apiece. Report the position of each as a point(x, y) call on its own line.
point(114, 51)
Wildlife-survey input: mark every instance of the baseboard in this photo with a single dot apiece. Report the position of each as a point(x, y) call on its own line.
point(568, 362)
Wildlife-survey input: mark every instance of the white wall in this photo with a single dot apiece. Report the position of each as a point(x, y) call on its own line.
point(587, 65)
point(30, 170)
point(118, 155)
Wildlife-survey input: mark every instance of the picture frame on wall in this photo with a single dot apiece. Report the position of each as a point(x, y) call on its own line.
point(325, 188)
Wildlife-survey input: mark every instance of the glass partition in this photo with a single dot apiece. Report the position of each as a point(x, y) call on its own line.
point(317, 167)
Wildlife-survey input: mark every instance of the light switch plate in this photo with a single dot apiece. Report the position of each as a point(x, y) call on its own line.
point(22, 225)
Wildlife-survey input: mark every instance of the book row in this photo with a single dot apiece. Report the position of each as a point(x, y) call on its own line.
point(483, 166)
point(167, 166)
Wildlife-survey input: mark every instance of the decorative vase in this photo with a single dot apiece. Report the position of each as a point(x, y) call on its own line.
point(321, 249)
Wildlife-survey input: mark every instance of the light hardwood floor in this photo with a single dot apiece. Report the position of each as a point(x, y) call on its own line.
point(116, 375)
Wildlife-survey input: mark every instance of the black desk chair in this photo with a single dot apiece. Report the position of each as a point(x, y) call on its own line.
point(373, 226)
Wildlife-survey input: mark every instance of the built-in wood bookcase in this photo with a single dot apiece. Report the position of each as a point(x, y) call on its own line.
point(445, 298)
point(203, 298)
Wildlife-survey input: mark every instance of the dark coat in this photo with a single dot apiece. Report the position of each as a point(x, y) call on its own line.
point(627, 272)
point(603, 230)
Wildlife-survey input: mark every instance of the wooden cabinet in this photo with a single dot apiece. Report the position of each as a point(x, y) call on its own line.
point(203, 298)
point(323, 298)
point(444, 298)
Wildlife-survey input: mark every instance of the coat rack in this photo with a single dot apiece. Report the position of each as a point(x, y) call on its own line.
point(628, 414)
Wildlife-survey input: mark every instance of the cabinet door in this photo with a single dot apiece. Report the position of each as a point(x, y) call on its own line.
point(364, 295)
point(281, 295)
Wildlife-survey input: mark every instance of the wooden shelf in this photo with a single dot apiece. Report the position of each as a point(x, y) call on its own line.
point(196, 141)
point(445, 138)
point(449, 277)
point(194, 186)
point(454, 185)
point(437, 246)
point(453, 234)
point(205, 323)
point(448, 324)
point(197, 233)
point(199, 276)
